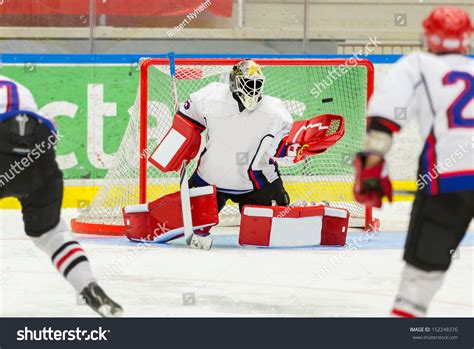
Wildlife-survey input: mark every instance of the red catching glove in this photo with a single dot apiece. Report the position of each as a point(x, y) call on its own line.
point(314, 136)
point(371, 184)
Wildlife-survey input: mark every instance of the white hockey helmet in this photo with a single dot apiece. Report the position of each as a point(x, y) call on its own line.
point(246, 81)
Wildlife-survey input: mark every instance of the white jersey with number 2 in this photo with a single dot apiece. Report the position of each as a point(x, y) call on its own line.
point(437, 90)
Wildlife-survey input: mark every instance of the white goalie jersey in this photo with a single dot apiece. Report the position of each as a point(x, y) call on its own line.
point(237, 157)
point(437, 90)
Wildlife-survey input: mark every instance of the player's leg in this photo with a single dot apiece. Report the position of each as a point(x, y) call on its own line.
point(41, 214)
point(437, 226)
point(273, 192)
point(195, 181)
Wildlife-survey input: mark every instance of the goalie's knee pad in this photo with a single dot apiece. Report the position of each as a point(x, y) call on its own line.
point(279, 226)
point(162, 220)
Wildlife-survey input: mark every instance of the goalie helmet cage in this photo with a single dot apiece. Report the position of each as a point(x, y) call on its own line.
point(308, 85)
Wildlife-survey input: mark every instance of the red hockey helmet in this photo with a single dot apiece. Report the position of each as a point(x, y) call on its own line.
point(448, 29)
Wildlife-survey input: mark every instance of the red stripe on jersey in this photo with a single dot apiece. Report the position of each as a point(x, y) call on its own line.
point(9, 98)
point(432, 162)
point(457, 173)
point(282, 146)
point(401, 313)
point(18, 100)
point(67, 255)
point(254, 180)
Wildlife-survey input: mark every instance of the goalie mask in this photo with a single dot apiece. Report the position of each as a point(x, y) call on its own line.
point(246, 81)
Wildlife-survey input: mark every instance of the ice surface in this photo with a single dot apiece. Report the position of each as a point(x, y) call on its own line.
point(173, 280)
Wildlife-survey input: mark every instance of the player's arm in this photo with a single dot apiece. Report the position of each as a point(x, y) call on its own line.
point(310, 137)
point(371, 173)
point(388, 111)
point(183, 140)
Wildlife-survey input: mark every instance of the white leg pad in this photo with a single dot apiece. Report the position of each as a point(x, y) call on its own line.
point(279, 226)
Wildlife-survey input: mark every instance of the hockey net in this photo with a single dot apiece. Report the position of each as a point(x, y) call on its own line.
point(308, 87)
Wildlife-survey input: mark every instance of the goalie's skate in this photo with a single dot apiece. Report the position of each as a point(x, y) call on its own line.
point(201, 242)
point(96, 298)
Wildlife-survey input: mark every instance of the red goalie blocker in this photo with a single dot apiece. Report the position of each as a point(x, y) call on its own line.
point(162, 220)
point(181, 143)
point(280, 226)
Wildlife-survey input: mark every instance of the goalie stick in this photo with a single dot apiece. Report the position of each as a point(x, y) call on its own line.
point(192, 240)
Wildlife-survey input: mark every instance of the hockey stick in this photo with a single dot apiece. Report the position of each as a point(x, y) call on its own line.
point(192, 240)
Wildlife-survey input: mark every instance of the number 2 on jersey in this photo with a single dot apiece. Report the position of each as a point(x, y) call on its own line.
point(457, 108)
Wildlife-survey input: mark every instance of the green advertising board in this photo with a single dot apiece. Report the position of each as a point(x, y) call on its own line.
point(90, 106)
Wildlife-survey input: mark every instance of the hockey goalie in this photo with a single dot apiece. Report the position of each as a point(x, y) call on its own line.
point(248, 133)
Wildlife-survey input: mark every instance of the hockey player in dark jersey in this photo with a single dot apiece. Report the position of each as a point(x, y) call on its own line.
point(30, 173)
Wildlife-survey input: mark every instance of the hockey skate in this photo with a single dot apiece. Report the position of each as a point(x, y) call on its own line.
point(96, 298)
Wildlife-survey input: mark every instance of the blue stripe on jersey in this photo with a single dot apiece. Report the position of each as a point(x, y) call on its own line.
point(427, 171)
point(456, 181)
point(445, 182)
point(231, 191)
point(13, 100)
point(12, 114)
point(257, 175)
point(198, 180)
point(202, 183)
point(282, 150)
